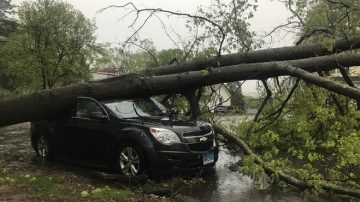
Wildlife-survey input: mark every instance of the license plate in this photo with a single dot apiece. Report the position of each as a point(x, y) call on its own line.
point(208, 158)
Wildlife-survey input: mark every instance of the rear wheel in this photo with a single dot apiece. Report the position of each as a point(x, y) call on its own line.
point(42, 147)
point(130, 160)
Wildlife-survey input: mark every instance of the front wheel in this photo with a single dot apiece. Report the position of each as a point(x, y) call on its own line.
point(130, 160)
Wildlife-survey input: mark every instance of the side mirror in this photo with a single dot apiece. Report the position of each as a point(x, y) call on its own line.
point(98, 116)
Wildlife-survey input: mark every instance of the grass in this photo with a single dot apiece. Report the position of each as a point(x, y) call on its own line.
point(107, 194)
point(57, 188)
point(39, 186)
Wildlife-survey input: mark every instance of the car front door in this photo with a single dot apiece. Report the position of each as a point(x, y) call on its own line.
point(90, 132)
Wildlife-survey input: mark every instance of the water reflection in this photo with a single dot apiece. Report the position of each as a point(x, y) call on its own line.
point(222, 184)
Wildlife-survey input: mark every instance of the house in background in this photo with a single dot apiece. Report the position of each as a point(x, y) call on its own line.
point(354, 73)
point(105, 73)
point(220, 97)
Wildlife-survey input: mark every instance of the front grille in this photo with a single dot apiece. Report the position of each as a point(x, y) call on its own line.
point(196, 133)
point(201, 146)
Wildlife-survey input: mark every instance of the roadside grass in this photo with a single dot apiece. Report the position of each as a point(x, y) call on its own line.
point(58, 188)
point(107, 194)
point(38, 186)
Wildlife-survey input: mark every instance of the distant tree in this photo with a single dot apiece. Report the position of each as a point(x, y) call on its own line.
point(57, 41)
point(6, 25)
point(145, 56)
point(321, 20)
point(5, 8)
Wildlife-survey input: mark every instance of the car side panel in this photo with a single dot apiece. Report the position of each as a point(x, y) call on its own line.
point(91, 139)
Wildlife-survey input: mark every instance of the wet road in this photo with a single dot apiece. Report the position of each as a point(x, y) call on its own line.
point(15, 142)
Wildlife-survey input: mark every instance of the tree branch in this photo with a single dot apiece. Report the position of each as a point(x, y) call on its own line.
point(302, 185)
point(334, 98)
point(266, 99)
point(148, 51)
point(160, 10)
point(283, 104)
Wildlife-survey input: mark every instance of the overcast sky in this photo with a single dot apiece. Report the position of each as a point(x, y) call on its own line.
point(110, 28)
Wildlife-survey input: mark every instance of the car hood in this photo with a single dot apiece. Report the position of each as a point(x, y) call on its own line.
point(176, 125)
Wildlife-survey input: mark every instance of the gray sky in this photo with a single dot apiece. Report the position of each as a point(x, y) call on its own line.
point(110, 28)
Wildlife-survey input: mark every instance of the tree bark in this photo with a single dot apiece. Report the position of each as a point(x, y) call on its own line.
point(302, 185)
point(47, 103)
point(190, 95)
point(264, 55)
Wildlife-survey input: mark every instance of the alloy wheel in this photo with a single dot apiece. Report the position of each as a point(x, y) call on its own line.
point(129, 161)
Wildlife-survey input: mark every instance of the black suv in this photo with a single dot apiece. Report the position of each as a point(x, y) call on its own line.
point(133, 136)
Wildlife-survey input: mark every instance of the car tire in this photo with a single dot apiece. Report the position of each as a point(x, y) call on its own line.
point(130, 160)
point(42, 147)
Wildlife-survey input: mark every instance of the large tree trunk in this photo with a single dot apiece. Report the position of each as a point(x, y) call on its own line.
point(264, 55)
point(47, 103)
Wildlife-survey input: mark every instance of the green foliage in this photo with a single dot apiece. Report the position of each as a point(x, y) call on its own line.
point(6, 25)
point(5, 93)
point(5, 8)
point(53, 46)
point(54, 187)
point(205, 73)
point(107, 194)
point(310, 140)
point(232, 17)
point(44, 186)
point(126, 61)
point(324, 20)
point(16, 71)
point(250, 168)
point(251, 102)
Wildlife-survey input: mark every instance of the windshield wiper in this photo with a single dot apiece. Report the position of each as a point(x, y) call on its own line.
point(146, 117)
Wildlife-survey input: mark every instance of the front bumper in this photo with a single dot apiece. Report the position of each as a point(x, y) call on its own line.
point(176, 162)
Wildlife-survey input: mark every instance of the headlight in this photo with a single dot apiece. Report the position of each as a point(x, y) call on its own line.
point(164, 136)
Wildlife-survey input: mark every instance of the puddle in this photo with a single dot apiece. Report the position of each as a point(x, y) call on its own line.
point(224, 185)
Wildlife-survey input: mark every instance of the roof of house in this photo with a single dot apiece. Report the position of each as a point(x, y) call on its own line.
point(108, 70)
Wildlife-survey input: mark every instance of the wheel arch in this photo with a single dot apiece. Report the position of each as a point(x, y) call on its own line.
point(138, 137)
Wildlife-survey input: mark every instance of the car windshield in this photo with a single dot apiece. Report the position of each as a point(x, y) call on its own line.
point(136, 108)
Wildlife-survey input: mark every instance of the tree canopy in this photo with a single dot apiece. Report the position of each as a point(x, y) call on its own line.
point(55, 44)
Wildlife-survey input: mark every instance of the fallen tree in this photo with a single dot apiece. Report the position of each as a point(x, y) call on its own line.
point(259, 56)
point(302, 185)
point(45, 104)
point(184, 78)
point(52, 102)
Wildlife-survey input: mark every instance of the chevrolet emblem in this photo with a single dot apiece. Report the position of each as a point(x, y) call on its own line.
point(203, 139)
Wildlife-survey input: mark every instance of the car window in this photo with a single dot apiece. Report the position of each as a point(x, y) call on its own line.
point(136, 108)
point(85, 107)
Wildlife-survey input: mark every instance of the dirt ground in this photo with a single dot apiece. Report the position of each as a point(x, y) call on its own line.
point(25, 177)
